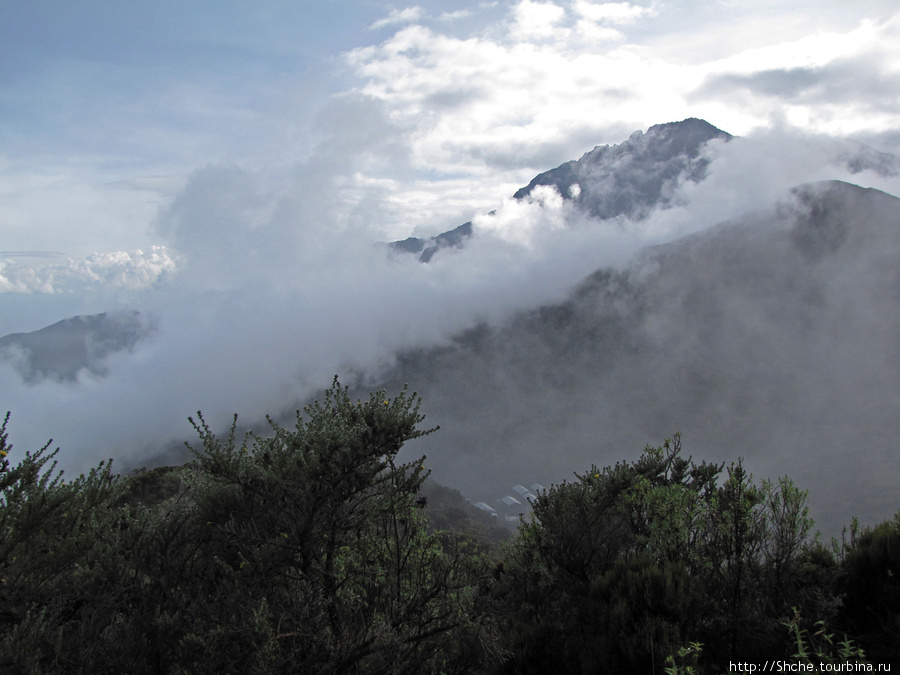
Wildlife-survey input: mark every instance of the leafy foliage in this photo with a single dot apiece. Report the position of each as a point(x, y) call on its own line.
point(820, 647)
point(871, 585)
point(51, 531)
point(623, 566)
point(326, 513)
point(301, 551)
point(313, 549)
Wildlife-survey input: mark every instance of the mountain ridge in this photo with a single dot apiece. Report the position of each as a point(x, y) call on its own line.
point(632, 178)
point(636, 176)
point(80, 343)
point(768, 334)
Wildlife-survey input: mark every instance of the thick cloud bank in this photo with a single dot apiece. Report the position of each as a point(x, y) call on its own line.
point(281, 283)
point(128, 270)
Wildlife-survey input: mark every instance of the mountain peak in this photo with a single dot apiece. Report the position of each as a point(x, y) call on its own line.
point(63, 349)
point(631, 178)
point(693, 131)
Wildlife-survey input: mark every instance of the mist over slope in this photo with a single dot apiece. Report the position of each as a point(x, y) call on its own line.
point(82, 343)
point(774, 337)
point(566, 326)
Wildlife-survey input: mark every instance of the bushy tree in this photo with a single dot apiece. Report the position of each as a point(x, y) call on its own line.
point(51, 531)
point(308, 549)
point(305, 550)
point(598, 576)
point(318, 529)
point(871, 586)
point(623, 566)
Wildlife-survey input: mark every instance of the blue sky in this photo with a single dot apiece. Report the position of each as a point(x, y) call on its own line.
point(206, 160)
point(169, 84)
point(101, 78)
point(96, 94)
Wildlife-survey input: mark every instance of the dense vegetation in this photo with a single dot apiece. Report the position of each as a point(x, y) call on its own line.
point(313, 550)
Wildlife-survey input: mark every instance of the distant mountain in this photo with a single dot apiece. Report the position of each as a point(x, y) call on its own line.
point(773, 337)
point(634, 177)
point(629, 179)
point(60, 351)
point(426, 248)
point(859, 157)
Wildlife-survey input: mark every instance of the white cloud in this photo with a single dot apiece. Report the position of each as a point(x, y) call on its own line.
point(611, 12)
point(814, 50)
point(597, 19)
point(597, 33)
point(836, 82)
point(522, 96)
point(407, 15)
point(455, 16)
point(501, 105)
point(520, 222)
point(537, 20)
point(123, 270)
